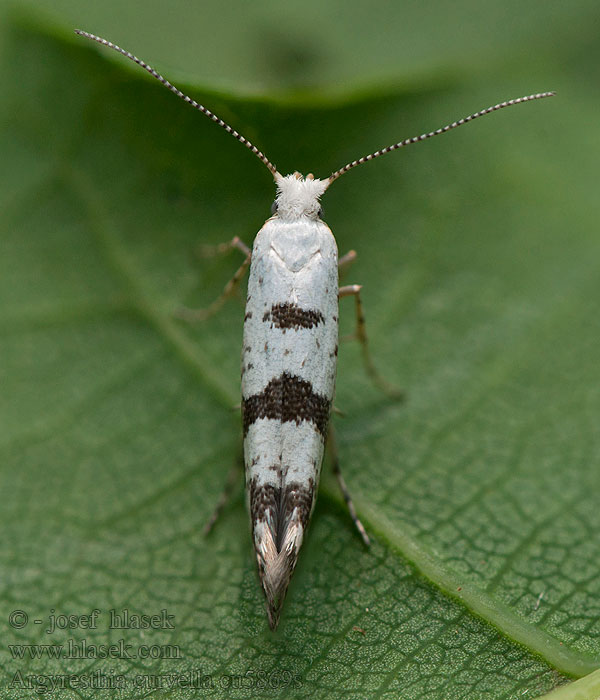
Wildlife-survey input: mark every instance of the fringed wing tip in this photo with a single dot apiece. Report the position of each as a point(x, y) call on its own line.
point(275, 567)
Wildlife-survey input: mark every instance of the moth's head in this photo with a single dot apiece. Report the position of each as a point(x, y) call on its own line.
point(298, 196)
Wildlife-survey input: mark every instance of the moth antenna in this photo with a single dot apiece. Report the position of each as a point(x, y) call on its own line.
point(443, 130)
point(183, 96)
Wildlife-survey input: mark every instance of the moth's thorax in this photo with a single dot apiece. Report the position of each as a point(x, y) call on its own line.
point(298, 197)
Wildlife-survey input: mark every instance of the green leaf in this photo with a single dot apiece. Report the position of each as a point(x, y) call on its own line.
point(479, 258)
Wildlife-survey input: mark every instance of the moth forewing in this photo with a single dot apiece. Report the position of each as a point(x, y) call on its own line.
point(289, 357)
point(289, 353)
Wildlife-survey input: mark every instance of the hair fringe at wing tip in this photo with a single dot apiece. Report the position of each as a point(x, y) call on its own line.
point(278, 565)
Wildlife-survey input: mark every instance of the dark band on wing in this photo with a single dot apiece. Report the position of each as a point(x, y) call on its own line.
point(286, 316)
point(287, 398)
point(281, 505)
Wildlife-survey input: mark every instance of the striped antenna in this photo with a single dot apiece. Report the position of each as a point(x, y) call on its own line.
point(184, 97)
point(443, 130)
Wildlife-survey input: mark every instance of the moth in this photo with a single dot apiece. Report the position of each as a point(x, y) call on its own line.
point(289, 353)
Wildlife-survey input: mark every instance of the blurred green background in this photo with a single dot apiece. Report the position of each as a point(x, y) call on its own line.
point(480, 258)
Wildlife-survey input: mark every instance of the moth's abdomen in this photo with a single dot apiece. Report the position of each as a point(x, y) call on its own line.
point(288, 379)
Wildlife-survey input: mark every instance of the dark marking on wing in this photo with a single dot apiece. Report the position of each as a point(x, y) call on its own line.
point(290, 503)
point(286, 315)
point(287, 398)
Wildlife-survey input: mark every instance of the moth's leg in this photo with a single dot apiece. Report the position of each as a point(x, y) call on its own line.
point(361, 336)
point(346, 260)
point(233, 479)
point(210, 251)
point(188, 314)
point(343, 488)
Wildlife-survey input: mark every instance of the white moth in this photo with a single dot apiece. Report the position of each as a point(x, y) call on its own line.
point(289, 354)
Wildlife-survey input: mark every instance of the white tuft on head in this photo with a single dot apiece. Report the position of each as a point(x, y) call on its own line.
point(298, 196)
